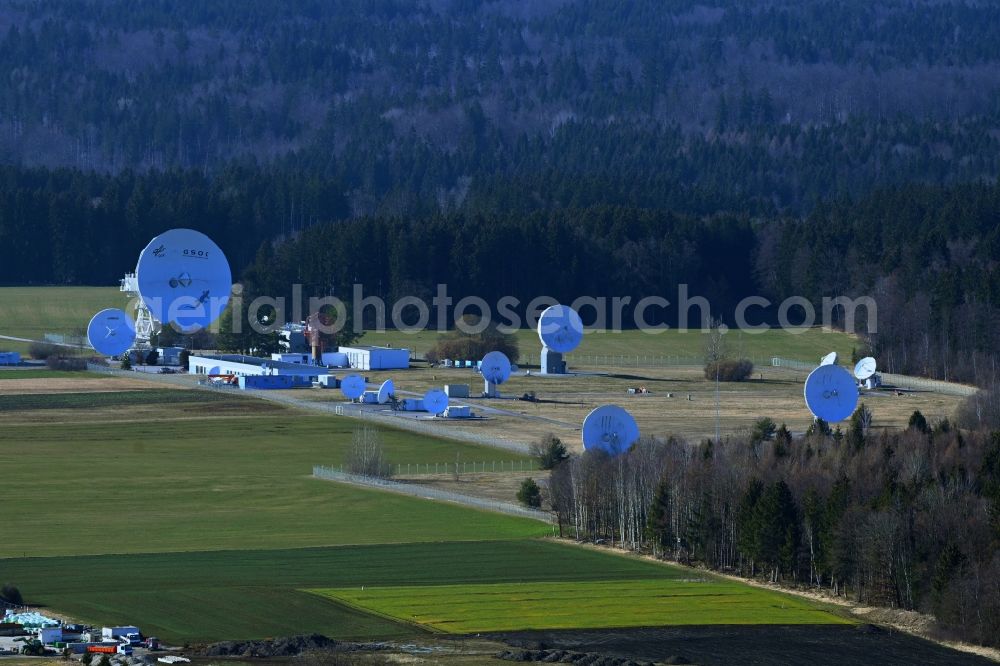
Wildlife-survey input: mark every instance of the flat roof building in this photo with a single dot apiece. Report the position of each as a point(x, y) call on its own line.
point(377, 358)
point(250, 366)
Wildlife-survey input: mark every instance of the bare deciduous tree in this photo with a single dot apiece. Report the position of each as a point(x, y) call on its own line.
point(367, 456)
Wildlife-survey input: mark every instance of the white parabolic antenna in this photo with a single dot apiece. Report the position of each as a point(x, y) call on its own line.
point(435, 401)
point(495, 367)
point(352, 386)
point(829, 359)
point(611, 429)
point(865, 368)
point(387, 389)
point(184, 279)
point(831, 393)
point(560, 328)
point(111, 332)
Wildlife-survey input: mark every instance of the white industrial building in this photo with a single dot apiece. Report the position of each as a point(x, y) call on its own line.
point(251, 366)
point(300, 358)
point(377, 358)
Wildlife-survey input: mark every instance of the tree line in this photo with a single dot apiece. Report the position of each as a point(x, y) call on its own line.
point(909, 520)
point(418, 107)
point(925, 253)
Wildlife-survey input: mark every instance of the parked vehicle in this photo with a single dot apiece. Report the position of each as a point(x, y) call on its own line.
point(127, 633)
point(108, 648)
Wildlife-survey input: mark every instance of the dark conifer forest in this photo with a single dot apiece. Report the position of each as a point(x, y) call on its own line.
point(775, 148)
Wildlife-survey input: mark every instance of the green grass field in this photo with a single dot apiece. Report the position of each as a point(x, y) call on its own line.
point(241, 594)
point(465, 609)
point(30, 312)
point(195, 516)
point(621, 348)
point(205, 483)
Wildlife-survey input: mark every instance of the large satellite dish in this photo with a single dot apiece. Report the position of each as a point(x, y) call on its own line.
point(831, 393)
point(111, 332)
point(495, 367)
point(387, 389)
point(435, 401)
point(560, 328)
point(352, 386)
point(829, 359)
point(865, 368)
point(184, 279)
point(611, 429)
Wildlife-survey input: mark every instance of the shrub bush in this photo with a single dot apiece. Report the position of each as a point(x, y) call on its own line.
point(530, 494)
point(729, 370)
point(65, 364)
point(42, 350)
point(11, 595)
point(473, 346)
point(549, 452)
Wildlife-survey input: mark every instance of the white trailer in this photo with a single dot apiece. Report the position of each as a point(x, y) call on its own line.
point(129, 634)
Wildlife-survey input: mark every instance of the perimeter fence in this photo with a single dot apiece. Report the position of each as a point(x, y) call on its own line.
point(574, 360)
point(387, 417)
point(460, 467)
point(428, 492)
point(890, 379)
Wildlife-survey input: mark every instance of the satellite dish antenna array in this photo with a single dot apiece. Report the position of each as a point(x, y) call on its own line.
point(611, 429)
point(183, 278)
point(560, 329)
point(495, 368)
point(386, 391)
point(865, 368)
point(352, 386)
point(111, 332)
point(435, 401)
point(829, 359)
point(145, 325)
point(831, 393)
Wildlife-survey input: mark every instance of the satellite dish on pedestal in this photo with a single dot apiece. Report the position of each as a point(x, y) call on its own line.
point(386, 391)
point(865, 368)
point(831, 393)
point(560, 329)
point(111, 332)
point(611, 429)
point(495, 368)
point(352, 386)
point(829, 359)
point(435, 401)
point(184, 279)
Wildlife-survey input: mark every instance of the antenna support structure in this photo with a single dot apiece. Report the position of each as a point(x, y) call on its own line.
point(145, 326)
